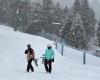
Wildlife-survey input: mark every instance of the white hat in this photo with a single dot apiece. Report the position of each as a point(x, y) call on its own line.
point(49, 45)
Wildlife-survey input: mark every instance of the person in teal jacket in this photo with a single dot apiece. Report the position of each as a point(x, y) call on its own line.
point(49, 58)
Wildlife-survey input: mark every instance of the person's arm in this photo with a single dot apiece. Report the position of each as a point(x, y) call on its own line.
point(33, 52)
point(26, 51)
point(53, 53)
point(45, 54)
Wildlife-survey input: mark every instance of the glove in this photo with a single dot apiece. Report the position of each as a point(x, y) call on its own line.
point(52, 60)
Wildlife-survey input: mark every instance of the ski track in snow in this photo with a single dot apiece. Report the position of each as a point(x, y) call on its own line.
point(13, 60)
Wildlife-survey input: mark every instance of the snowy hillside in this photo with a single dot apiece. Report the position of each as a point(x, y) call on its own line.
point(77, 56)
point(13, 60)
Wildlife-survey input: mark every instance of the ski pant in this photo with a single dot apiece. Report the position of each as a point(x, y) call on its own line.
point(48, 65)
point(29, 65)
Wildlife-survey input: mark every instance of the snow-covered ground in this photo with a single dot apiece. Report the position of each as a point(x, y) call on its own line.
point(13, 60)
point(77, 56)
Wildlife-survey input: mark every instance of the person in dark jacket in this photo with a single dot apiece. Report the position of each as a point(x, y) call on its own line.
point(49, 58)
point(30, 56)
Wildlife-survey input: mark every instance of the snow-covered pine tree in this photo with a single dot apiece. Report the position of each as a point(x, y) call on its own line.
point(6, 17)
point(88, 18)
point(64, 31)
point(77, 32)
point(18, 17)
point(76, 8)
point(47, 10)
point(1, 10)
point(59, 16)
point(66, 9)
point(23, 12)
point(34, 19)
point(57, 13)
point(69, 20)
point(4, 10)
point(15, 22)
point(98, 33)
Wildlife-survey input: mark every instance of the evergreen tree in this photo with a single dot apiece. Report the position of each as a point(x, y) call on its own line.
point(1, 10)
point(19, 11)
point(34, 18)
point(77, 32)
point(61, 14)
point(58, 18)
point(71, 13)
point(15, 14)
point(65, 30)
point(66, 9)
point(76, 8)
point(23, 14)
point(57, 13)
point(4, 11)
point(7, 12)
point(98, 33)
point(47, 8)
point(88, 18)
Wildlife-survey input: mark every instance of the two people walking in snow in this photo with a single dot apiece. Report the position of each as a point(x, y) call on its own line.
point(48, 58)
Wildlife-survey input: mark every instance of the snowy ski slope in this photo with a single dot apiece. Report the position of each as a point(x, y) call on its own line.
point(13, 60)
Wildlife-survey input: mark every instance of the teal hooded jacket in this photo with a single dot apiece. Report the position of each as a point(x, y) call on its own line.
point(49, 54)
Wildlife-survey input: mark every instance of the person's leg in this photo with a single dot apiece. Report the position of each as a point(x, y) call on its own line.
point(46, 65)
point(28, 66)
point(32, 69)
point(50, 66)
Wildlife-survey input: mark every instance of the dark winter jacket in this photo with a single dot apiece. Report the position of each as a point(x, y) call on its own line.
point(30, 54)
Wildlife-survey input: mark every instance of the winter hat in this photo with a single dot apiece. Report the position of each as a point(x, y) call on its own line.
point(49, 45)
point(29, 45)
